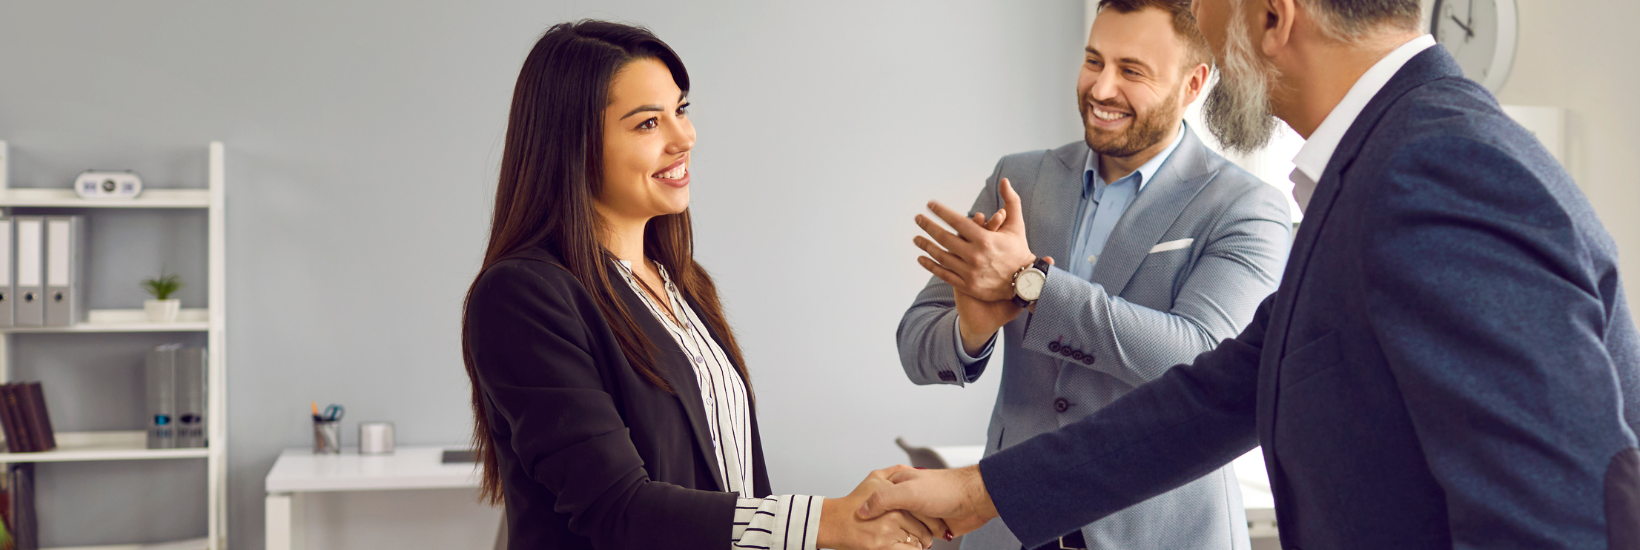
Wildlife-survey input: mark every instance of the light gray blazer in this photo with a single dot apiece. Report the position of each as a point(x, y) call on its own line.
point(1185, 267)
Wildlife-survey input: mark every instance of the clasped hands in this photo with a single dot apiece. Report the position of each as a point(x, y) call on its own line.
point(904, 508)
point(979, 262)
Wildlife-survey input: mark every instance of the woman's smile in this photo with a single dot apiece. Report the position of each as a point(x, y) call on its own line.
point(675, 175)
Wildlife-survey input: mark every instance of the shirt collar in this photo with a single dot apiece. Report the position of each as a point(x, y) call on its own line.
point(1312, 159)
point(1090, 169)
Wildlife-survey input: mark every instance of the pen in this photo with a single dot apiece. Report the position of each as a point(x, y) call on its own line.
point(315, 411)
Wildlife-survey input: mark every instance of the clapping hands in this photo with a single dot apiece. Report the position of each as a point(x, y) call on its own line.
point(979, 262)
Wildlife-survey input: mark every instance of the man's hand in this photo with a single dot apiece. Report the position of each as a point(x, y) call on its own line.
point(842, 529)
point(978, 320)
point(975, 260)
point(957, 496)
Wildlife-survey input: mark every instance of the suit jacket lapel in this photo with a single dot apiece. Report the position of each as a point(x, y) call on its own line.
point(1180, 178)
point(1056, 197)
point(678, 371)
point(1431, 64)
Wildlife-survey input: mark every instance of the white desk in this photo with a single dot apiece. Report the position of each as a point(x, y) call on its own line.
point(1251, 475)
point(299, 471)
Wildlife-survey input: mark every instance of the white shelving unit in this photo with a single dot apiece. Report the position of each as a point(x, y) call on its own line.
point(132, 445)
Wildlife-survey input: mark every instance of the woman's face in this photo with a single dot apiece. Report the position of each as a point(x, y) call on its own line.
point(647, 138)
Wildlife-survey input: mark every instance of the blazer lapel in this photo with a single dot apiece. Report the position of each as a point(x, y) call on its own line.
point(1056, 198)
point(678, 371)
point(1177, 182)
point(1431, 64)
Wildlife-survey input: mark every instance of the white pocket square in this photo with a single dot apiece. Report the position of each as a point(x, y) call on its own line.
point(1172, 245)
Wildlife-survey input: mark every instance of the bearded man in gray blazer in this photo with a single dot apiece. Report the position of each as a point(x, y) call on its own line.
point(1163, 249)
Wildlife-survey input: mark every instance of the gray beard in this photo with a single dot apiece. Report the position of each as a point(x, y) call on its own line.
point(1237, 110)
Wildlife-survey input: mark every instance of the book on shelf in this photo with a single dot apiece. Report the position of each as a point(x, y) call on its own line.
point(176, 392)
point(24, 417)
point(20, 491)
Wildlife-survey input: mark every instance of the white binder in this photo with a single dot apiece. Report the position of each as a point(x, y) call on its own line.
point(8, 283)
point(31, 311)
point(65, 258)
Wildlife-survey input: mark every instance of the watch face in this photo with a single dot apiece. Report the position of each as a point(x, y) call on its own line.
point(1028, 285)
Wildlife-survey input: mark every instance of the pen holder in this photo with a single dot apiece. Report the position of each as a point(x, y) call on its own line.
point(327, 437)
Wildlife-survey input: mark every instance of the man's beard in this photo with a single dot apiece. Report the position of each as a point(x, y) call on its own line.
point(1238, 109)
point(1146, 130)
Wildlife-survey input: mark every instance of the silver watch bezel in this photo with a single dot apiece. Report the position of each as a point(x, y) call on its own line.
point(1042, 280)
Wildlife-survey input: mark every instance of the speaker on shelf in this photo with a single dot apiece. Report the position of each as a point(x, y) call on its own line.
point(105, 184)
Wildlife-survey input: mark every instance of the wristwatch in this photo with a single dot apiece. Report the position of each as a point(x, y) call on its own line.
point(1028, 283)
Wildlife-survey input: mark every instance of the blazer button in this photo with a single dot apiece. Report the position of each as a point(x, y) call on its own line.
point(1088, 360)
point(1061, 405)
point(1077, 355)
point(1065, 351)
point(1054, 347)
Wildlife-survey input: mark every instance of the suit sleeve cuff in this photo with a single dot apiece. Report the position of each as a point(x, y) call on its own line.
point(962, 354)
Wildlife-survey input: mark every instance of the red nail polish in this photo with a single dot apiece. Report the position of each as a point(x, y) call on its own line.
point(948, 536)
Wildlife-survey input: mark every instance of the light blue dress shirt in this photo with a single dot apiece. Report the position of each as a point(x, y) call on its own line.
point(1101, 207)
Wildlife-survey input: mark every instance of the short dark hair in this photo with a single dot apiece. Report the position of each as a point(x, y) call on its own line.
point(1351, 19)
point(1197, 51)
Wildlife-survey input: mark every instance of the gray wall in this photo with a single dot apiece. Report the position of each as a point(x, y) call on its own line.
point(362, 140)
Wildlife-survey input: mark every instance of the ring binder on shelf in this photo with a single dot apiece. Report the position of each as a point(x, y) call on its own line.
point(8, 283)
point(30, 271)
point(65, 260)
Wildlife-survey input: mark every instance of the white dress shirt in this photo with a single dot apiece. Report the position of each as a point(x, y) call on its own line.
point(781, 522)
point(1312, 159)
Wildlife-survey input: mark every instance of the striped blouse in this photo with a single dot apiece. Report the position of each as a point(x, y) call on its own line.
point(781, 522)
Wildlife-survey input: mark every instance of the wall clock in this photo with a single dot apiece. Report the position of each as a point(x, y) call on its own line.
point(1480, 34)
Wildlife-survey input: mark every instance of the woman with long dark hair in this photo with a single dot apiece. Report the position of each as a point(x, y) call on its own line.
point(611, 402)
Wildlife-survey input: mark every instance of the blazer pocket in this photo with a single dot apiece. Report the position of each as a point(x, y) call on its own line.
point(1172, 245)
point(1319, 355)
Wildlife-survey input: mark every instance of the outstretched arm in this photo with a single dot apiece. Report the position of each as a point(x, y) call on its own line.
point(530, 350)
point(1192, 420)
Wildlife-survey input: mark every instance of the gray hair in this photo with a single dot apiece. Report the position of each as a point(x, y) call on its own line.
point(1350, 20)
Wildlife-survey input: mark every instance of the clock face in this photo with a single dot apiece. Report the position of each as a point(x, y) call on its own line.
point(1480, 34)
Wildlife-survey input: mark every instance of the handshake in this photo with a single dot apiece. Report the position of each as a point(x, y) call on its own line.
point(904, 508)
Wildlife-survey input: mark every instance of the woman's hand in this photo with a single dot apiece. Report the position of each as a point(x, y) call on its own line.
point(842, 529)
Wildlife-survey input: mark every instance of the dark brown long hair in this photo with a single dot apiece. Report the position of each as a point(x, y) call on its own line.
point(552, 169)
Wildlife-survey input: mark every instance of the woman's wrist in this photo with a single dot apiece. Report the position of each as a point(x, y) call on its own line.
point(834, 512)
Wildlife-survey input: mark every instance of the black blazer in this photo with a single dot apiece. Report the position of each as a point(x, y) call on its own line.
point(1449, 361)
point(591, 454)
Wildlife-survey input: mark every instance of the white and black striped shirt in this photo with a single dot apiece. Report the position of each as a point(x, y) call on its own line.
point(782, 522)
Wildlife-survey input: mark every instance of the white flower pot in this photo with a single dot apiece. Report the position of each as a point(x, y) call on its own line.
point(162, 311)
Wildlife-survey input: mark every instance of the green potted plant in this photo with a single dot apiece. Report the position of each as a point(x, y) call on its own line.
point(163, 308)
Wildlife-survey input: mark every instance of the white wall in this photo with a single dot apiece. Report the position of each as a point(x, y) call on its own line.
point(362, 140)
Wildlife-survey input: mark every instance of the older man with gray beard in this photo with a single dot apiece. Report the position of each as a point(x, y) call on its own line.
point(1449, 361)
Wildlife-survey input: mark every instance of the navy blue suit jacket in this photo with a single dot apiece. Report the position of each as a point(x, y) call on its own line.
point(1446, 363)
